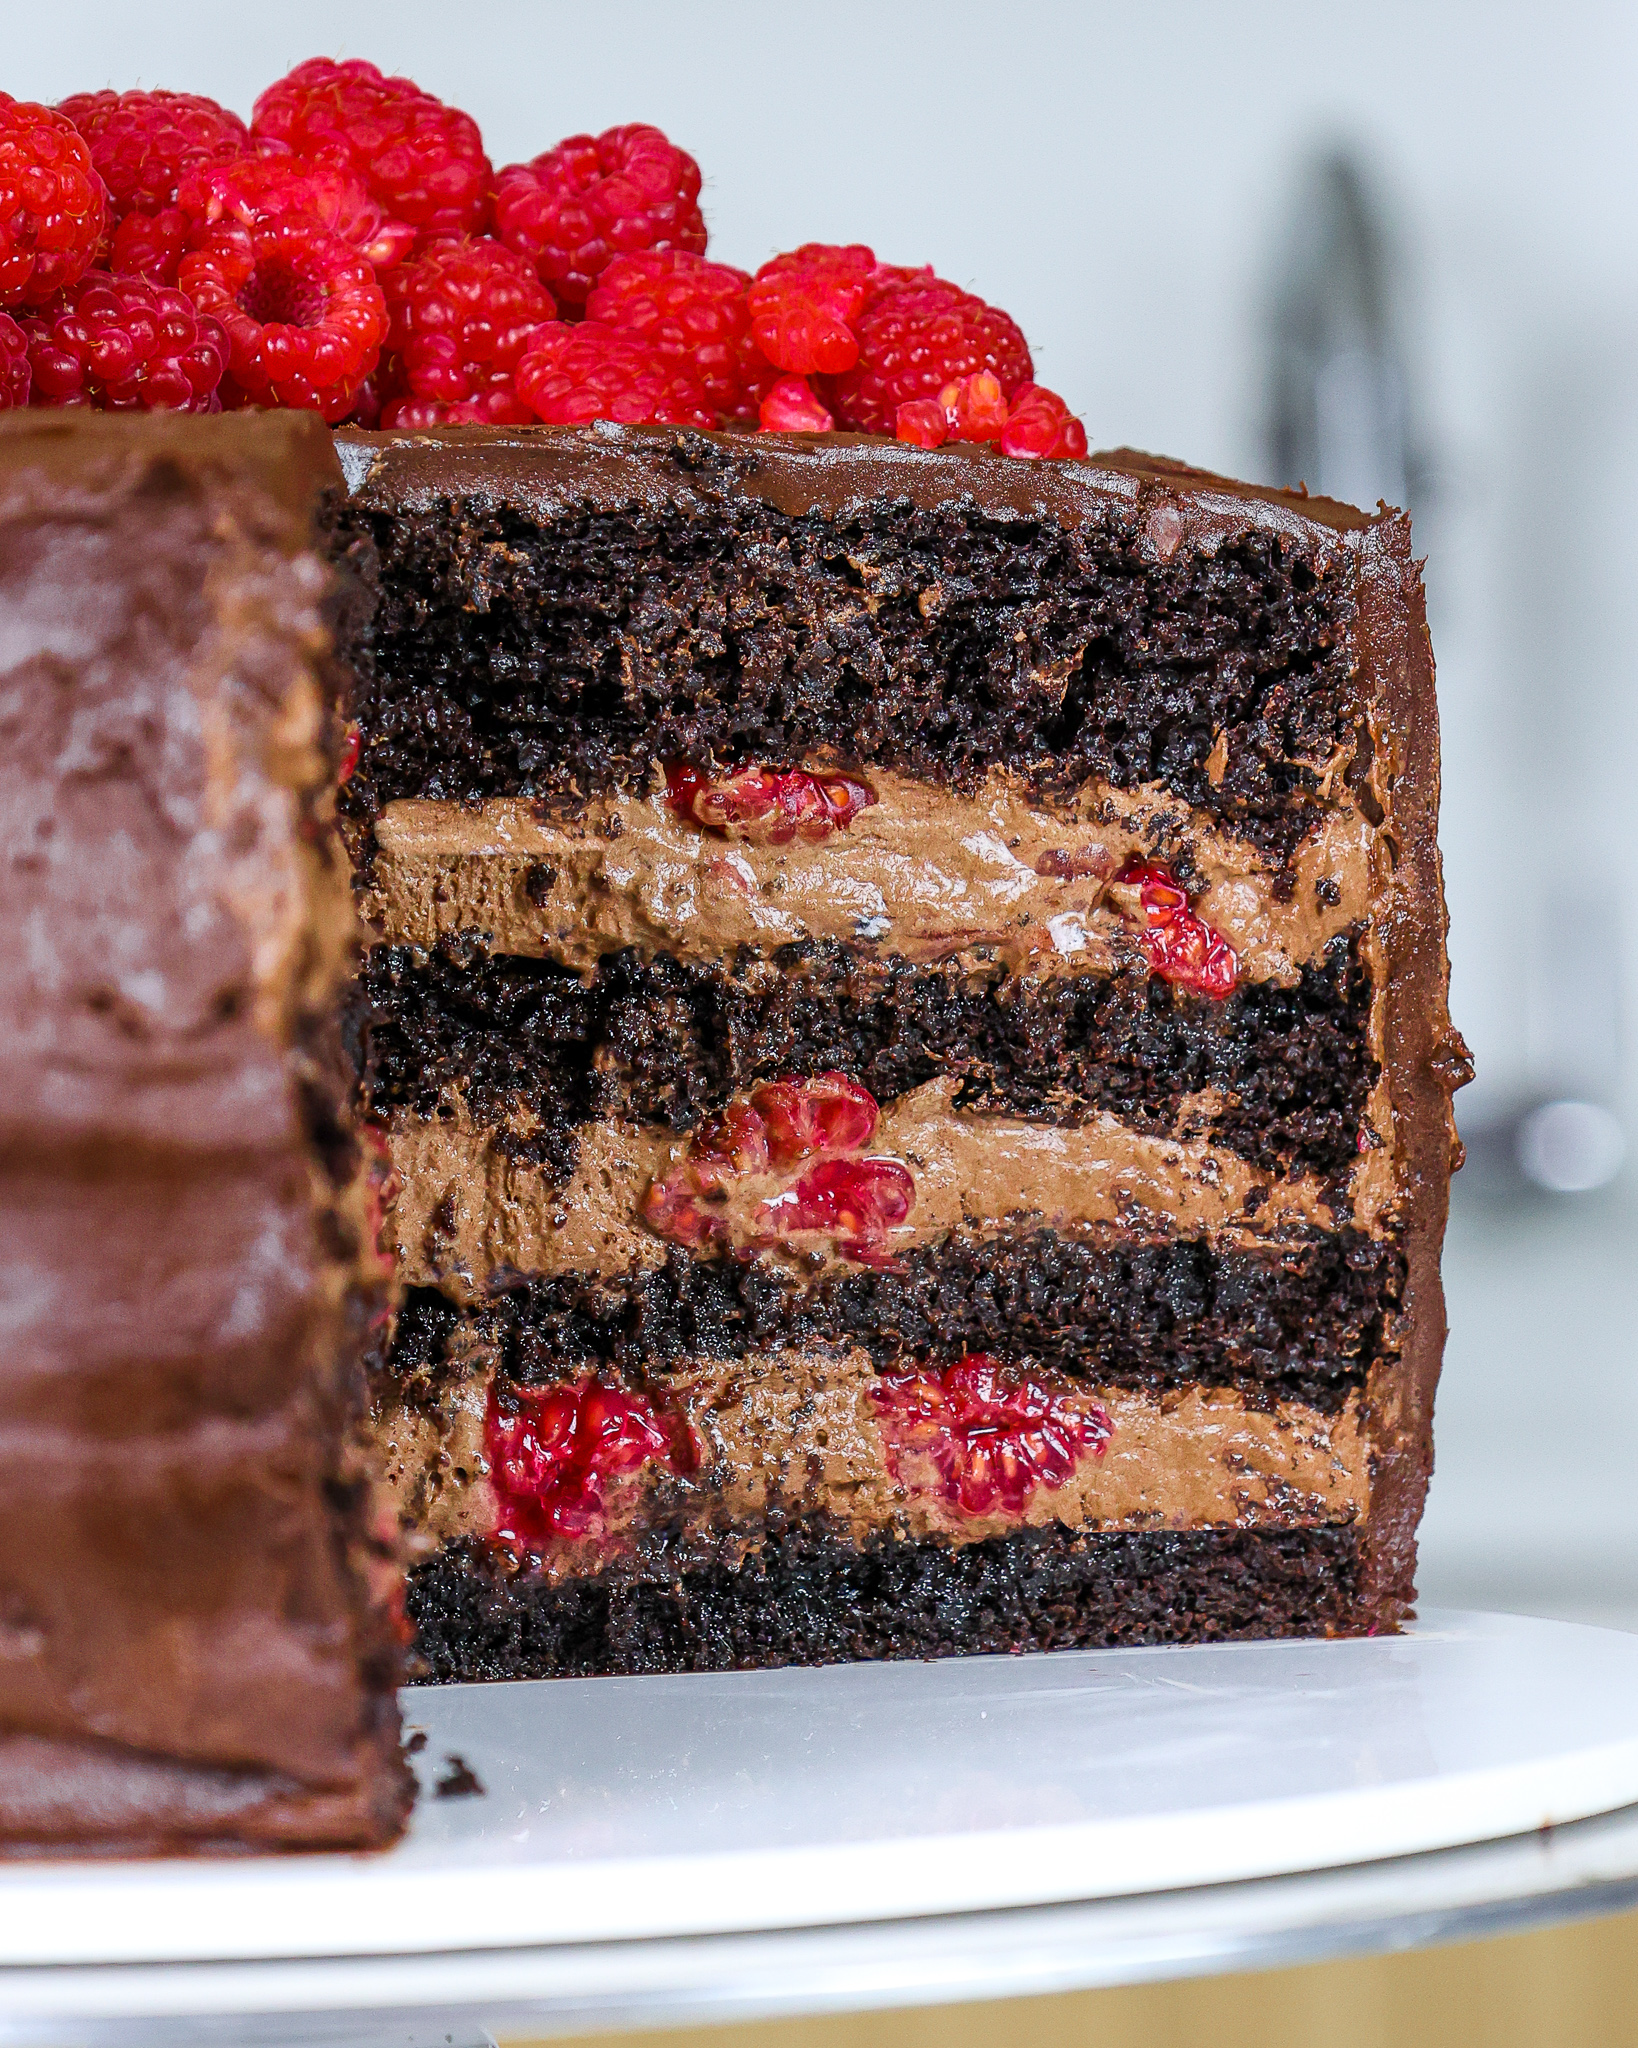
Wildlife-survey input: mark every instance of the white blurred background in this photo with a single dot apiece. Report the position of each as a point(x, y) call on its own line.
point(1389, 249)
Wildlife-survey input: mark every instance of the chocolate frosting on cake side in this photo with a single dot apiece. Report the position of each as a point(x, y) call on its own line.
point(197, 1649)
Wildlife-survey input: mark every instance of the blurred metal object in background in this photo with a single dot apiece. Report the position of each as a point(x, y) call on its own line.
point(1338, 416)
point(1340, 419)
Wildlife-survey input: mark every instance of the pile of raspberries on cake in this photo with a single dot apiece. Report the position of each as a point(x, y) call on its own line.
point(354, 252)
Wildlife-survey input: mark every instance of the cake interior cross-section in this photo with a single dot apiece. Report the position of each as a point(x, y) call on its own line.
point(905, 1025)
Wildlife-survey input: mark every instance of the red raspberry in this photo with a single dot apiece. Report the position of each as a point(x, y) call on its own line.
point(983, 1435)
point(1040, 424)
point(500, 407)
point(767, 806)
point(422, 160)
point(14, 370)
point(1180, 945)
point(804, 305)
point(554, 1451)
point(53, 207)
point(830, 1113)
point(151, 245)
point(303, 314)
point(684, 306)
point(127, 345)
point(922, 423)
point(854, 1202)
point(593, 372)
point(262, 187)
point(975, 407)
point(573, 209)
point(463, 315)
point(791, 408)
point(917, 337)
point(145, 143)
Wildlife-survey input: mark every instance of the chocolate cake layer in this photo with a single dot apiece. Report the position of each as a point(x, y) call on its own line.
point(196, 1623)
point(535, 1051)
point(809, 1597)
point(1298, 1322)
point(559, 611)
point(1029, 676)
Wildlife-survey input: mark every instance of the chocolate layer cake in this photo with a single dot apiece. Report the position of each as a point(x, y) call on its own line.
point(197, 1646)
point(908, 1014)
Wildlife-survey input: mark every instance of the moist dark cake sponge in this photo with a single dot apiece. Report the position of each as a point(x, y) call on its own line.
point(809, 1596)
point(554, 616)
point(1298, 1322)
point(665, 1041)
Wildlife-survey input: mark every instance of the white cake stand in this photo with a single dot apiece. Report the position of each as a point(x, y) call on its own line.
point(659, 1850)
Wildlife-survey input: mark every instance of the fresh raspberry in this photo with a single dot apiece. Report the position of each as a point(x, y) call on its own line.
point(145, 143)
point(791, 408)
point(922, 423)
point(151, 245)
point(1180, 945)
point(683, 305)
point(497, 407)
point(53, 206)
point(127, 345)
point(463, 315)
point(555, 1451)
point(916, 337)
point(975, 407)
point(14, 370)
point(422, 160)
point(262, 187)
point(804, 305)
point(820, 1126)
point(303, 314)
point(985, 1436)
point(1041, 425)
point(573, 209)
point(767, 806)
point(593, 372)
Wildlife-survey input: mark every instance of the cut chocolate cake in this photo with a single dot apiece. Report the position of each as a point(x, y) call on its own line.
point(198, 1647)
point(908, 1015)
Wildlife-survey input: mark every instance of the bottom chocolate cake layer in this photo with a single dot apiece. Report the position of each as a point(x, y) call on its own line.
point(809, 1597)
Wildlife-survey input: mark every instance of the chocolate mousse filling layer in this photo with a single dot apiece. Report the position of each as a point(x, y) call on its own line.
point(799, 1435)
point(1299, 1322)
point(809, 1596)
point(909, 868)
point(557, 614)
point(1278, 1075)
point(464, 1213)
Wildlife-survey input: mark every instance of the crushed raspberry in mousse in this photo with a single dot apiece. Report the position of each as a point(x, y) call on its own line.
point(767, 806)
point(1181, 947)
point(785, 1167)
point(555, 1452)
point(983, 1436)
